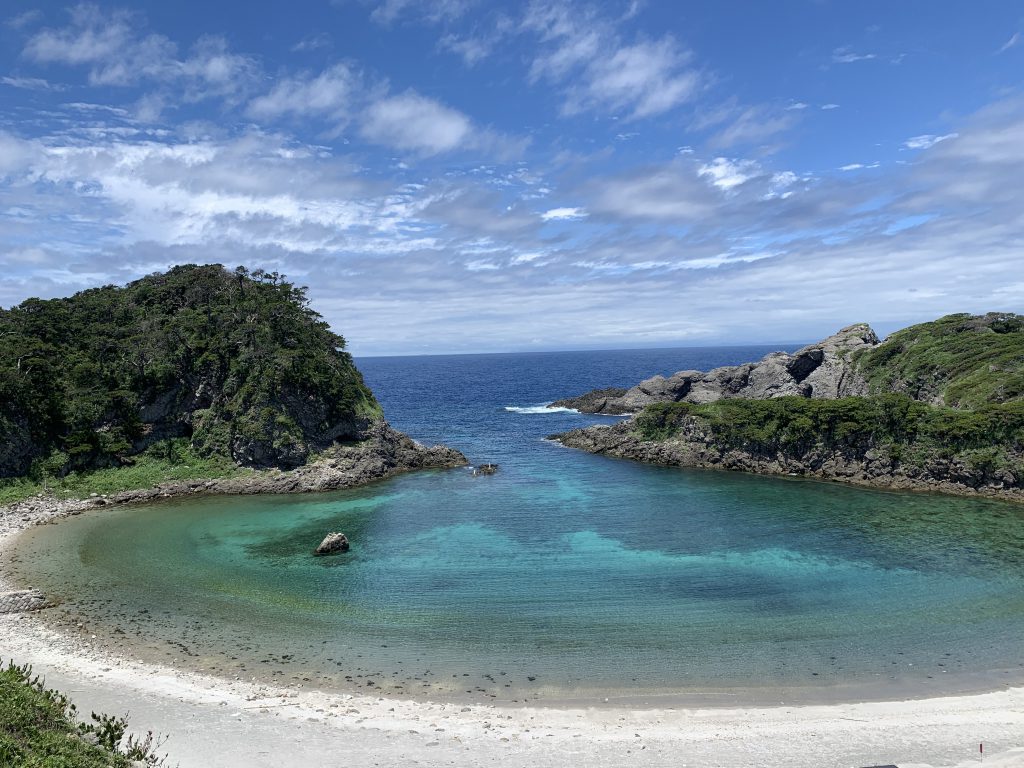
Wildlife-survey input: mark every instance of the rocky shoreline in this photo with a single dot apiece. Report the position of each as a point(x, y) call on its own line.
point(696, 446)
point(383, 453)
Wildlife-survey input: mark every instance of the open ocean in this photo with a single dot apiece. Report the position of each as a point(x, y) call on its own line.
point(565, 576)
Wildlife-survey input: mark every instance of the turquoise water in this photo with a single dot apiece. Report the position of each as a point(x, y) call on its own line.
point(565, 575)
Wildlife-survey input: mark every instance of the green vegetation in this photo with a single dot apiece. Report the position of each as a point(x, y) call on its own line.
point(989, 438)
point(39, 729)
point(963, 361)
point(168, 460)
point(235, 362)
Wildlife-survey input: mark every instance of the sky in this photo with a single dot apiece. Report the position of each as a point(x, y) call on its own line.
point(473, 176)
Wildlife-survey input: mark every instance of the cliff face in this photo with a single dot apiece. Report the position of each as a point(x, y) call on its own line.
point(822, 370)
point(235, 362)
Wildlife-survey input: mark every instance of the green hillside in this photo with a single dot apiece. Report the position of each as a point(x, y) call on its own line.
point(962, 361)
point(233, 363)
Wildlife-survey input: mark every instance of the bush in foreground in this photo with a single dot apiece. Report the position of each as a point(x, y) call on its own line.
point(39, 728)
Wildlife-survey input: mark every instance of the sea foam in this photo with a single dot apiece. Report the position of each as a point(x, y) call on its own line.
point(538, 409)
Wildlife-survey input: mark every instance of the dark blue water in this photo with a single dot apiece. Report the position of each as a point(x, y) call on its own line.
point(563, 575)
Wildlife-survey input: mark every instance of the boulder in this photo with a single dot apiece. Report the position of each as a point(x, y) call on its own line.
point(333, 542)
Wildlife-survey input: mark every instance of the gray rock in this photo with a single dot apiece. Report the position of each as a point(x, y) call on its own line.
point(824, 370)
point(333, 542)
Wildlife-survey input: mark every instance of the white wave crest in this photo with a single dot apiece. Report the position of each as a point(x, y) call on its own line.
point(538, 409)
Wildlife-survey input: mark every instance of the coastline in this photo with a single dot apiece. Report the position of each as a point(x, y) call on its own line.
point(214, 721)
point(698, 451)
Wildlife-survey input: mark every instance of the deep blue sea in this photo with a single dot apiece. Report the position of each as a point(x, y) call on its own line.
point(563, 576)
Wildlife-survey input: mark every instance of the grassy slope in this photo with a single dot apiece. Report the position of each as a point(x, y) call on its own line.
point(39, 729)
point(962, 361)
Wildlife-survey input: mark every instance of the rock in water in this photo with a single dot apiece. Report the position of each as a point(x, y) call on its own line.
point(333, 542)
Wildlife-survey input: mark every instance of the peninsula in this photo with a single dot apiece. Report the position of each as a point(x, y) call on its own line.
point(935, 407)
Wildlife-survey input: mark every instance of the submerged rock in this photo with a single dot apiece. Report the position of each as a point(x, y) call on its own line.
point(485, 469)
point(333, 542)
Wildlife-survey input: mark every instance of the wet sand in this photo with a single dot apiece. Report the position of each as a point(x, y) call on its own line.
point(214, 720)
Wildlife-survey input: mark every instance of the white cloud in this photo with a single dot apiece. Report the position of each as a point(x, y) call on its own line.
point(797, 105)
point(117, 52)
point(1014, 39)
point(312, 43)
point(24, 19)
point(584, 52)
point(830, 106)
point(473, 50)
point(563, 214)
point(846, 55)
point(328, 94)
point(416, 123)
point(31, 83)
point(644, 79)
point(726, 173)
point(432, 10)
point(672, 193)
point(927, 140)
point(16, 155)
point(745, 125)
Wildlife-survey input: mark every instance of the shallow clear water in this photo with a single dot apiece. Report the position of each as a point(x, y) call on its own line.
point(565, 574)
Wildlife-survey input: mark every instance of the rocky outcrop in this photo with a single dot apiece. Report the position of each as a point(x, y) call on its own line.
point(596, 401)
point(824, 370)
point(333, 542)
point(696, 445)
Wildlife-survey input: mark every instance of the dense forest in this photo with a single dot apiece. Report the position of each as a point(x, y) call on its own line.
point(235, 361)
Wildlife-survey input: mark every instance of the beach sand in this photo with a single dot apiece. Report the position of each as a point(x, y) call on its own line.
point(212, 722)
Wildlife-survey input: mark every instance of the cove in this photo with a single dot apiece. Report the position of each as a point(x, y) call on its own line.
point(563, 576)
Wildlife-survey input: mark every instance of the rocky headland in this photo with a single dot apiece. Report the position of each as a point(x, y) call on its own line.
point(225, 380)
point(936, 407)
point(822, 370)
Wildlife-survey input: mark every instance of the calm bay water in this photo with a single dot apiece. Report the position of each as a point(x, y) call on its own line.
point(565, 575)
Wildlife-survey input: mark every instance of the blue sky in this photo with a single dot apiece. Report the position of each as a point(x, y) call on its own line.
point(463, 175)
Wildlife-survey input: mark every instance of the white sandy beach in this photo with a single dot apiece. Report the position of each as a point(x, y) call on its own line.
point(215, 723)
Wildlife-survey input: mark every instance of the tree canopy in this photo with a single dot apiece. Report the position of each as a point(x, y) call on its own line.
point(235, 360)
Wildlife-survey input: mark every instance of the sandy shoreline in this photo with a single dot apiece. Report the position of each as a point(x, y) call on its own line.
point(216, 722)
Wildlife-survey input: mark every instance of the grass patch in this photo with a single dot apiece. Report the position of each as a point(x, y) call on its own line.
point(39, 728)
point(166, 461)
